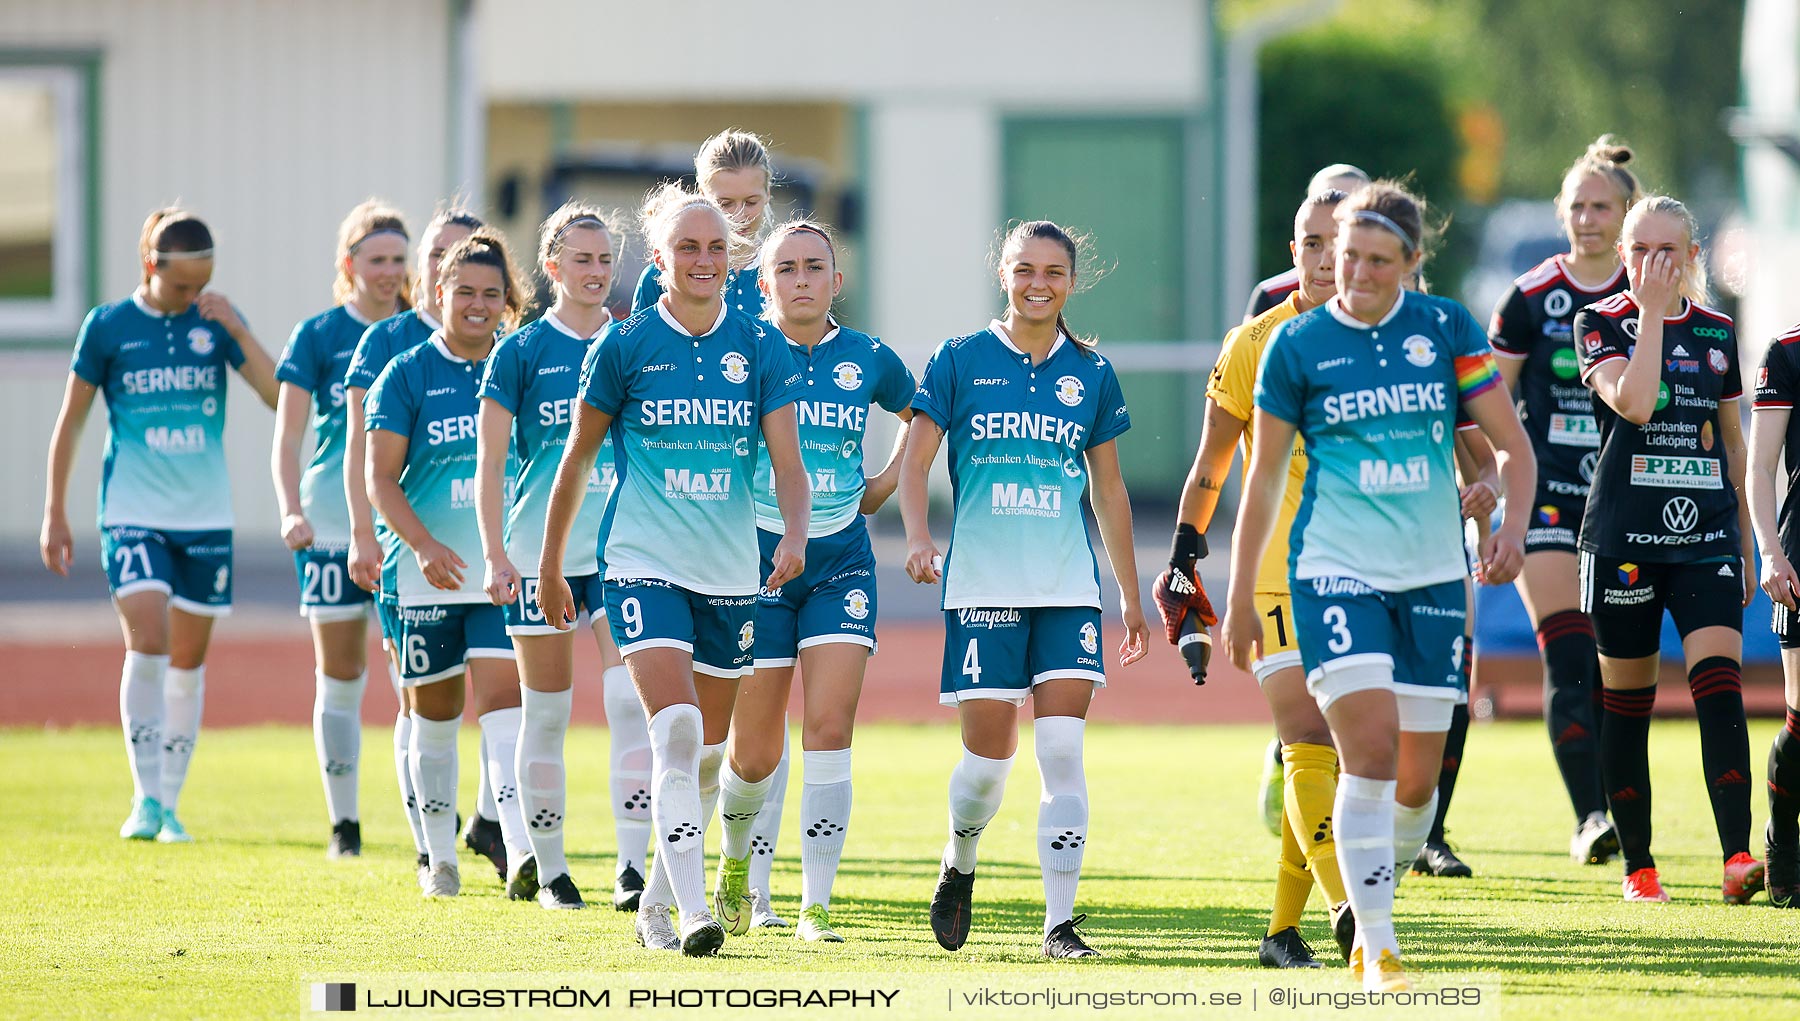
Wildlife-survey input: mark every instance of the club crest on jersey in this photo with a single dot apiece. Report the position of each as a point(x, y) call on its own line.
point(1628, 574)
point(200, 341)
point(1090, 638)
point(1419, 350)
point(1071, 468)
point(746, 636)
point(1069, 390)
point(735, 367)
point(1716, 361)
point(1557, 303)
point(1630, 326)
point(856, 604)
point(847, 375)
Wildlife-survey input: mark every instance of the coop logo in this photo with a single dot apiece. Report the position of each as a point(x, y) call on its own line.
point(847, 375)
point(1069, 390)
point(1411, 476)
point(684, 484)
point(330, 997)
point(1090, 638)
point(200, 341)
point(1419, 351)
point(1557, 303)
point(735, 367)
point(856, 604)
point(1676, 472)
point(1012, 499)
point(1711, 333)
point(1680, 515)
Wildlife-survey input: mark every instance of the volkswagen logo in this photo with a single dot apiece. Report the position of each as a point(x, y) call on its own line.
point(1680, 515)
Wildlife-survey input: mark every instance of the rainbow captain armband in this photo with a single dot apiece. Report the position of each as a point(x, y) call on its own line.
point(1476, 375)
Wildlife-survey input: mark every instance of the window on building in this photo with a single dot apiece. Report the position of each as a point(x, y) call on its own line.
point(45, 198)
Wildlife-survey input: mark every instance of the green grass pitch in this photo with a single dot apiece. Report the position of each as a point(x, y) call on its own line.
point(1177, 878)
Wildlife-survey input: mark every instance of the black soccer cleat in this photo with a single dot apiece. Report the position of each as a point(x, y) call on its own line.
point(1343, 928)
point(950, 908)
point(1286, 949)
point(559, 894)
point(1438, 860)
point(627, 889)
point(482, 836)
point(1064, 941)
point(346, 840)
point(1781, 872)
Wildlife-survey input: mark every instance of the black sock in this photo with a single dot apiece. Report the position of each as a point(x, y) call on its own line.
point(1724, 748)
point(1784, 781)
point(1625, 768)
point(1571, 680)
point(1453, 750)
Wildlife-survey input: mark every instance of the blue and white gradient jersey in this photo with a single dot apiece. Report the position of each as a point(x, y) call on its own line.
point(1017, 435)
point(535, 374)
point(687, 415)
point(381, 342)
point(843, 375)
point(1377, 407)
point(429, 396)
point(164, 381)
point(315, 360)
point(741, 292)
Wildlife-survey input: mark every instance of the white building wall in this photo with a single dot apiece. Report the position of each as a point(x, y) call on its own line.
point(269, 120)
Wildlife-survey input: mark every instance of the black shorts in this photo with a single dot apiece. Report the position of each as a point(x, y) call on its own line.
point(1555, 523)
point(1786, 625)
point(1626, 600)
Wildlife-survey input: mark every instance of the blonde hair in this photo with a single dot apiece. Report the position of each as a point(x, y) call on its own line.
point(486, 247)
point(1605, 157)
point(1693, 275)
point(172, 230)
point(368, 219)
point(664, 205)
point(732, 149)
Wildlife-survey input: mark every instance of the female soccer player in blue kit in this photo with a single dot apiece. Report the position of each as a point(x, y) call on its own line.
point(165, 506)
point(528, 402)
point(685, 387)
point(1030, 411)
point(1370, 381)
point(372, 545)
point(315, 522)
point(825, 619)
point(420, 417)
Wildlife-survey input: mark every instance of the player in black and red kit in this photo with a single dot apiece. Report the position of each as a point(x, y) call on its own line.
point(1531, 334)
point(1276, 289)
point(1774, 428)
point(1666, 527)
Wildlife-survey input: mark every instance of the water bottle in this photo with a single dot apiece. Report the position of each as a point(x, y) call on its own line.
point(1195, 645)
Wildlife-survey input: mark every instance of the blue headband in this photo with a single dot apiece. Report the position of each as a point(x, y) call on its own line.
point(1371, 216)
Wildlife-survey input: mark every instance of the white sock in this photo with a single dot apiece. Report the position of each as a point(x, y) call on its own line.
point(409, 802)
point(484, 791)
point(739, 802)
point(675, 738)
point(977, 785)
point(1411, 827)
point(628, 732)
point(543, 788)
point(433, 765)
point(184, 694)
point(712, 761)
point(337, 737)
point(1062, 813)
point(500, 757)
point(141, 715)
point(1363, 823)
point(767, 830)
point(824, 819)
